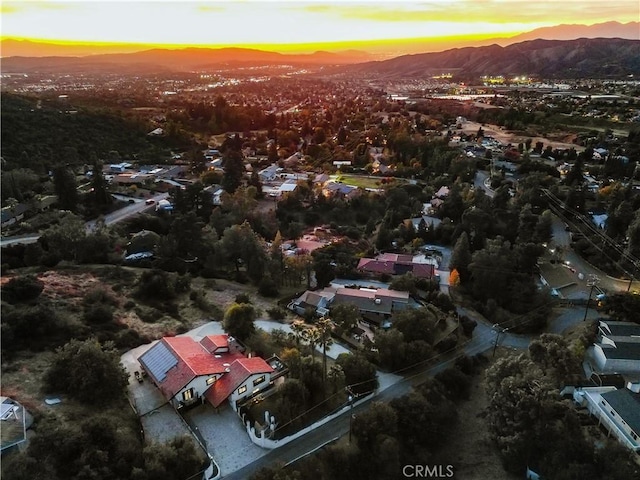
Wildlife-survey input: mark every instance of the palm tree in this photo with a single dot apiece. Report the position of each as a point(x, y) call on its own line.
point(298, 328)
point(324, 327)
point(312, 336)
point(336, 376)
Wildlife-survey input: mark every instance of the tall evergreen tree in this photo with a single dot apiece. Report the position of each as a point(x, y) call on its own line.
point(233, 171)
point(66, 188)
point(461, 257)
point(100, 195)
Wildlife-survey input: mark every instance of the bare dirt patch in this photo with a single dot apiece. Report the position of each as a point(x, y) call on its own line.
point(469, 448)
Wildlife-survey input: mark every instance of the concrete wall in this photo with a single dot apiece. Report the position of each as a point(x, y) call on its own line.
point(262, 441)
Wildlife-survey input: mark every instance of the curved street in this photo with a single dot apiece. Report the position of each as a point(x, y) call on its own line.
point(113, 217)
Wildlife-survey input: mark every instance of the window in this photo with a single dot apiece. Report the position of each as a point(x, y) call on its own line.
point(187, 394)
point(259, 380)
point(211, 380)
point(635, 437)
point(242, 389)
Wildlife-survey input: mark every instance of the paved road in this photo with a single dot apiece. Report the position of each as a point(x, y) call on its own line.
point(562, 239)
point(113, 217)
point(480, 181)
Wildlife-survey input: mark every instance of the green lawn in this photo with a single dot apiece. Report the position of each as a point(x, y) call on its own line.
point(363, 181)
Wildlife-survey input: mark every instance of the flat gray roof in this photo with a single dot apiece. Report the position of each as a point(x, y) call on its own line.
point(627, 404)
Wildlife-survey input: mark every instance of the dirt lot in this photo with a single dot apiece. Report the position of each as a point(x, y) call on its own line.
point(475, 458)
point(64, 290)
point(561, 140)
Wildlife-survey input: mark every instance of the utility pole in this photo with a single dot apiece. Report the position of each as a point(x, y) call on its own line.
point(352, 397)
point(499, 330)
point(591, 282)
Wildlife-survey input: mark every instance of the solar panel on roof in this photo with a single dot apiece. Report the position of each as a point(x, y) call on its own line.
point(159, 360)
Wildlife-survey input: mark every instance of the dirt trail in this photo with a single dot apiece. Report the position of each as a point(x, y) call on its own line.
point(508, 137)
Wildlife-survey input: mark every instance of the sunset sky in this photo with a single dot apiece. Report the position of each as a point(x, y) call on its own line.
point(284, 25)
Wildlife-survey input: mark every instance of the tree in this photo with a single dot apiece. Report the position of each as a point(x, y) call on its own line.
point(100, 194)
point(461, 258)
point(241, 245)
point(292, 400)
point(178, 459)
point(454, 278)
point(345, 316)
point(391, 348)
point(377, 421)
point(22, 288)
point(359, 373)
point(88, 371)
point(551, 352)
point(519, 409)
point(233, 171)
point(633, 234)
point(324, 327)
point(239, 321)
point(64, 182)
point(63, 240)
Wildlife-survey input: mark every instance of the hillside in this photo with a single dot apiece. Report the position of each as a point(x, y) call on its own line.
point(186, 59)
point(35, 134)
point(598, 57)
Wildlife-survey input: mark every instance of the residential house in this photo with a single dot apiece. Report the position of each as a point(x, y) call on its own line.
point(214, 369)
point(617, 349)
point(430, 222)
point(395, 264)
point(321, 179)
point(11, 215)
point(340, 190)
point(443, 192)
point(617, 409)
point(316, 301)
point(269, 174)
point(375, 305)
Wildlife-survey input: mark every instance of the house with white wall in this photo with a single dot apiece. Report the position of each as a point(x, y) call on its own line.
point(617, 349)
point(617, 409)
point(214, 369)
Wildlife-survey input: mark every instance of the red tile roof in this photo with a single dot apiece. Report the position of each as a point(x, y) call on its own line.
point(391, 263)
point(376, 266)
point(239, 371)
point(214, 342)
point(193, 360)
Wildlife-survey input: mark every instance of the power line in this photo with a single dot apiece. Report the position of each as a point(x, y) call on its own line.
point(633, 259)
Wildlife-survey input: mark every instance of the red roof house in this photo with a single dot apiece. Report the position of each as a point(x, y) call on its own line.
point(395, 264)
point(186, 371)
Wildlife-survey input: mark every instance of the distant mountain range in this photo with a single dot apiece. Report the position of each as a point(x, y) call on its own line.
point(583, 57)
point(25, 48)
point(186, 59)
point(586, 58)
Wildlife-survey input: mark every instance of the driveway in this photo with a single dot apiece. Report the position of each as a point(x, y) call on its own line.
point(225, 437)
point(160, 422)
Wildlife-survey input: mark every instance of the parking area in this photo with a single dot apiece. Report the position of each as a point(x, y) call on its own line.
point(225, 437)
point(160, 421)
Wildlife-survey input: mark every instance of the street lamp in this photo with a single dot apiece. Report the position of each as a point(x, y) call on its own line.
point(592, 282)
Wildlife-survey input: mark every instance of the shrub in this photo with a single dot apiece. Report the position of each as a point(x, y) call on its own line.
point(98, 313)
point(277, 313)
point(87, 371)
point(243, 298)
point(22, 289)
point(268, 287)
point(99, 295)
